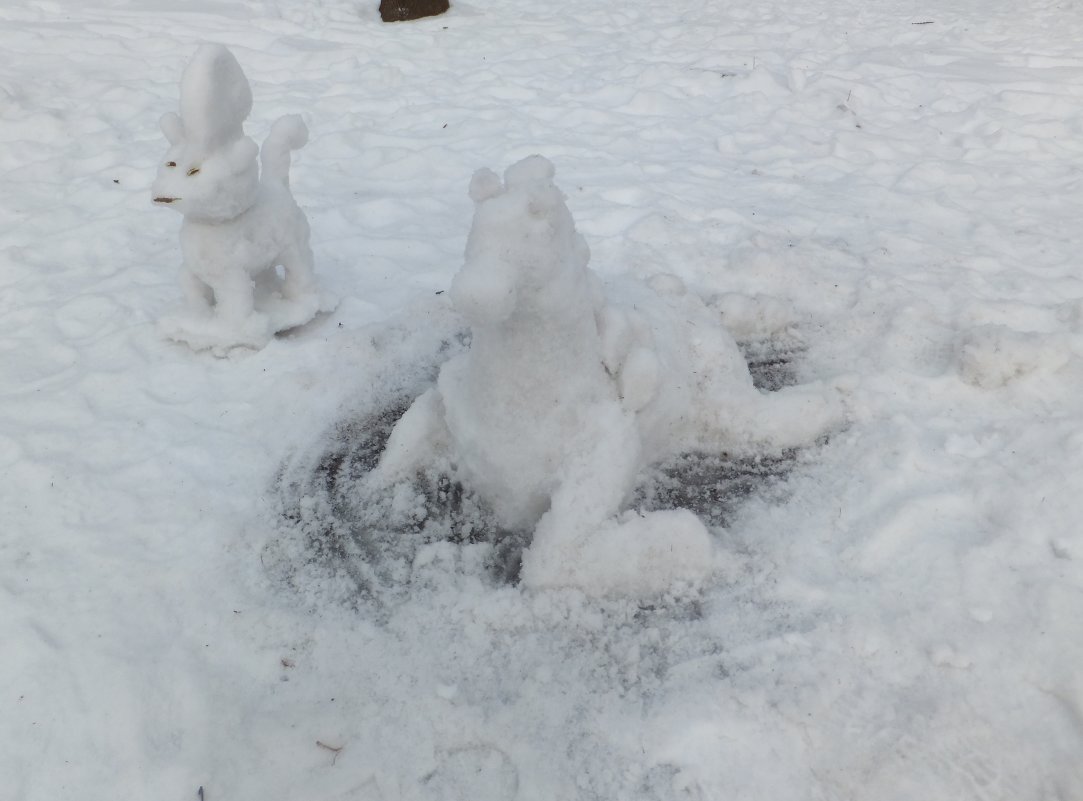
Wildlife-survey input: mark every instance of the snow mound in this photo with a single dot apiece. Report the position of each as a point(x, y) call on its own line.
point(239, 226)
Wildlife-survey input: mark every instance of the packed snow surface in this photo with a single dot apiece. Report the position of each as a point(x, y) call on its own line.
point(874, 199)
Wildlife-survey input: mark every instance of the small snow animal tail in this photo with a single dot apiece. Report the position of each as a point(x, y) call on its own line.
point(288, 133)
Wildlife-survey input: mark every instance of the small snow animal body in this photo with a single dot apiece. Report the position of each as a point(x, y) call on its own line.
point(240, 223)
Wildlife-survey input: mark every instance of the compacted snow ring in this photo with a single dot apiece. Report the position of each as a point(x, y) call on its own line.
point(336, 525)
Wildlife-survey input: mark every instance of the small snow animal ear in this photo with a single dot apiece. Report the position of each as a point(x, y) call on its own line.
point(215, 98)
point(484, 185)
point(172, 127)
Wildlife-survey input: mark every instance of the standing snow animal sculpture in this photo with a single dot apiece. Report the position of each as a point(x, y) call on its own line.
point(240, 224)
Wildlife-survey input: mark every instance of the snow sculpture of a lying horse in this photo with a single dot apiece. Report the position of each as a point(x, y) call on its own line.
point(564, 396)
point(239, 225)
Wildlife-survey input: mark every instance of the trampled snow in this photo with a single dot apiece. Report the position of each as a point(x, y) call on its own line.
point(878, 201)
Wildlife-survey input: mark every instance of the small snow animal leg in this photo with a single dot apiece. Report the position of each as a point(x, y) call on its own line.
point(300, 280)
point(198, 293)
point(233, 295)
point(265, 283)
point(236, 320)
point(300, 299)
point(233, 322)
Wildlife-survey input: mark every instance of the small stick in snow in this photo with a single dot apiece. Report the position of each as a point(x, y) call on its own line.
point(332, 749)
point(926, 22)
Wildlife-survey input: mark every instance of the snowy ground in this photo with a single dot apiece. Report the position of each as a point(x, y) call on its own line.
point(901, 619)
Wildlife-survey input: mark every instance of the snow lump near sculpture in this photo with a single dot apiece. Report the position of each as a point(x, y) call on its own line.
point(241, 222)
point(568, 390)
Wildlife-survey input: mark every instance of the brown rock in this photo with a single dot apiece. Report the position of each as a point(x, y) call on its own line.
point(400, 10)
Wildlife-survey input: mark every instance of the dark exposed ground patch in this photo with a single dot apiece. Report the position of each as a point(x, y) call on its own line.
point(713, 485)
point(773, 361)
point(403, 10)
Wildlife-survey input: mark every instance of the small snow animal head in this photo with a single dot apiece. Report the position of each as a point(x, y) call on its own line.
point(522, 244)
point(210, 172)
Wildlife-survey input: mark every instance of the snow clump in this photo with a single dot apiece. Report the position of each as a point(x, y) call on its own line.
point(993, 356)
point(240, 222)
point(569, 389)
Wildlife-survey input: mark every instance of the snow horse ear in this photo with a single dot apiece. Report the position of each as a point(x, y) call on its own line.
point(172, 127)
point(215, 98)
point(528, 171)
point(484, 185)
